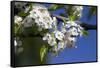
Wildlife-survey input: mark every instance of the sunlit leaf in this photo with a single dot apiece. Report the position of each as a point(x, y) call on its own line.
point(30, 5)
point(22, 14)
point(54, 7)
point(72, 17)
point(64, 21)
point(43, 51)
point(85, 33)
point(68, 10)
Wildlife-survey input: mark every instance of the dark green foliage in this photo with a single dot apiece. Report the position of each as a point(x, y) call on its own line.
point(92, 11)
point(54, 7)
point(34, 48)
point(23, 14)
point(85, 33)
point(31, 51)
point(43, 52)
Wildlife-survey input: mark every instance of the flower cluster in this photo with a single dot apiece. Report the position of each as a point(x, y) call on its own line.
point(23, 7)
point(64, 38)
point(41, 16)
point(58, 37)
point(78, 10)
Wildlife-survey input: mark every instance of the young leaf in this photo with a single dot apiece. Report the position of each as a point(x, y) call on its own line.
point(22, 14)
point(64, 21)
point(43, 51)
point(54, 7)
point(91, 12)
point(68, 10)
point(85, 33)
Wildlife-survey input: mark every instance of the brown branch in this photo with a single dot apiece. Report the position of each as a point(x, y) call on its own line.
point(88, 26)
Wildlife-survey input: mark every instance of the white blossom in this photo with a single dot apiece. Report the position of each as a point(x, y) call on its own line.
point(17, 19)
point(78, 10)
point(73, 28)
point(15, 43)
point(28, 22)
point(70, 23)
point(34, 14)
point(67, 36)
point(41, 16)
point(59, 35)
point(51, 40)
point(54, 23)
point(61, 45)
point(72, 39)
point(73, 31)
point(57, 39)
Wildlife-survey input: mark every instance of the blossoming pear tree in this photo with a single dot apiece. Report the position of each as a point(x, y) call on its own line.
point(39, 31)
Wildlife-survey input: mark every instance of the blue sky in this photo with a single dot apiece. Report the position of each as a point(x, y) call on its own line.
point(86, 46)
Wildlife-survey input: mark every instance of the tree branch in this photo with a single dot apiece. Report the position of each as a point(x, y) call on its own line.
point(60, 17)
point(88, 26)
point(84, 25)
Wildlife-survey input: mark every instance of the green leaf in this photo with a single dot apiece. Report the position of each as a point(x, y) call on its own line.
point(30, 5)
point(64, 21)
point(85, 33)
point(54, 7)
point(92, 11)
point(17, 28)
point(52, 34)
point(43, 51)
point(72, 13)
point(72, 17)
point(22, 14)
point(69, 10)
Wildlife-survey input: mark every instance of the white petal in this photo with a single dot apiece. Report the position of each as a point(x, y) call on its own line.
point(15, 43)
point(28, 22)
point(17, 19)
point(59, 35)
point(61, 45)
point(72, 39)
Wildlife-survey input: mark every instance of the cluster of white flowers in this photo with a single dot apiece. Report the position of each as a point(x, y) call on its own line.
point(41, 16)
point(78, 10)
point(57, 39)
point(50, 39)
point(28, 22)
point(65, 38)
